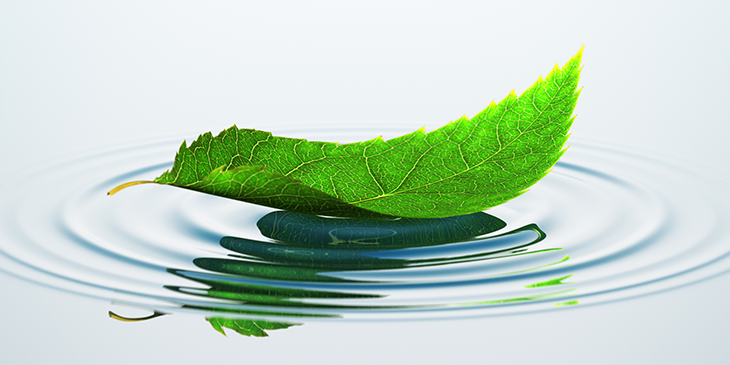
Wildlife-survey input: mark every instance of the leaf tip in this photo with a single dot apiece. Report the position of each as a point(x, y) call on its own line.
point(575, 61)
point(216, 326)
point(578, 56)
point(128, 184)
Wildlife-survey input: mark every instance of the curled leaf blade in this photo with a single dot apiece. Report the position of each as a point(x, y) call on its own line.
point(466, 166)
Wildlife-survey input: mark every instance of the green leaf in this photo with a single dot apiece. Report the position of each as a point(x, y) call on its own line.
point(466, 166)
point(246, 327)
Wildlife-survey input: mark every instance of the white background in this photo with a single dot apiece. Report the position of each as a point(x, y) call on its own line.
point(76, 75)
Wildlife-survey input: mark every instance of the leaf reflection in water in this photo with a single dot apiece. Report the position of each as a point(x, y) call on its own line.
point(246, 327)
point(318, 267)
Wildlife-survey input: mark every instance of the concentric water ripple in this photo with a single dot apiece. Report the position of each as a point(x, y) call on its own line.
point(606, 224)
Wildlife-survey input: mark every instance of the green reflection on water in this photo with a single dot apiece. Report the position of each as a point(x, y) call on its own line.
point(246, 327)
point(276, 279)
point(517, 299)
point(275, 261)
point(572, 302)
point(558, 281)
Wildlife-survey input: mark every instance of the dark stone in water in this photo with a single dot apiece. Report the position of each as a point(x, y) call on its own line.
point(312, 230)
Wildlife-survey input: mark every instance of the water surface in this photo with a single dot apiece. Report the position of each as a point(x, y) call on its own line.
point(607, 224)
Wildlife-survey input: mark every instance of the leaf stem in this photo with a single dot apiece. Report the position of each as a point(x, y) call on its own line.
point(128, 319)
point(126, 185)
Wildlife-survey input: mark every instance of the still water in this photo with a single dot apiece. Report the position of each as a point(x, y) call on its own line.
point(605, 224)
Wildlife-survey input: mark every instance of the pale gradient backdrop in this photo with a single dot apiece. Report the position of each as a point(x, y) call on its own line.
point(76, 75)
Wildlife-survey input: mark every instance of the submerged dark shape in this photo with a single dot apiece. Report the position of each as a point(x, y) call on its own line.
point(318, 231)
point(300, 274)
